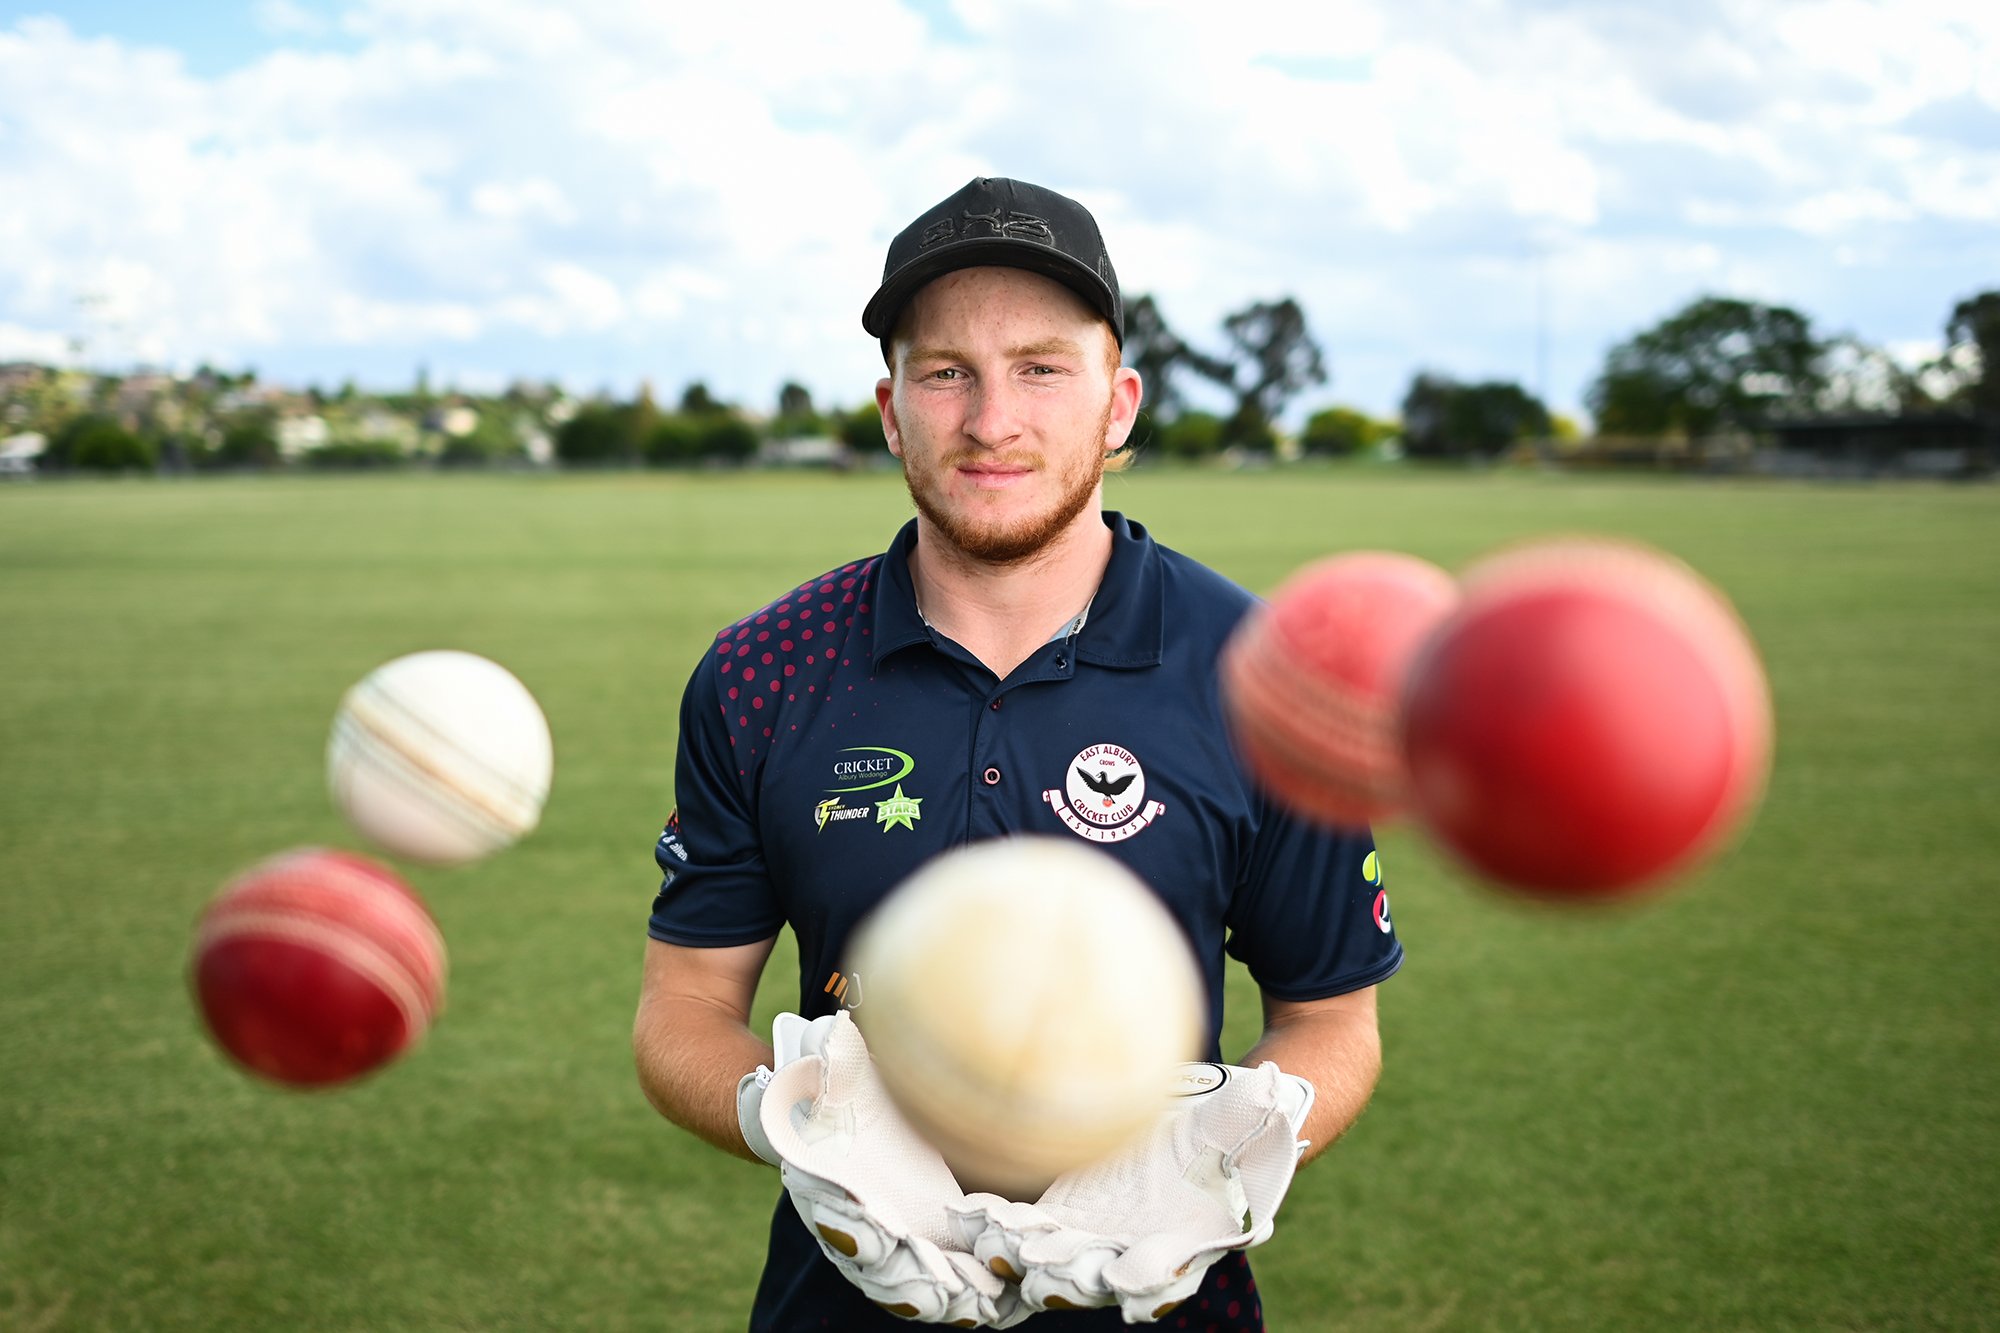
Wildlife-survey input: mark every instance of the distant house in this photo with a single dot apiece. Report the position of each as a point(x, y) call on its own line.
point(18, 454)
point(1917, 444)
point(805, 451)
point(300, 434)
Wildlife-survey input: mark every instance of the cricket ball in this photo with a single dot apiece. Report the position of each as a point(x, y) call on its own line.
point(440, 757)
point(1028, 1002)
point(1593, 719)
point(1311, 681)
point(317, 966)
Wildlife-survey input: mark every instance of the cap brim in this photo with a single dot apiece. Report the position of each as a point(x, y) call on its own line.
point(880, 315)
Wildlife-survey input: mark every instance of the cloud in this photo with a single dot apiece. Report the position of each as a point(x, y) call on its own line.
point(283, 18)
point(612, 190)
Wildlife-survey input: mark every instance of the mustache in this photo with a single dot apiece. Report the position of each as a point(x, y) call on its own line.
point(979, 458)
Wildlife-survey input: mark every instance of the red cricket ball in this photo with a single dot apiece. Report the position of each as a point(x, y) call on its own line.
point(1311, 681)
point(317, 966)
point(1593, 719)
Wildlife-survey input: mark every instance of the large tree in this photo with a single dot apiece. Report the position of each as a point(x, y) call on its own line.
point(1276, 356)
point(1160, 356)
point(1716, 364)
point(1974, 326)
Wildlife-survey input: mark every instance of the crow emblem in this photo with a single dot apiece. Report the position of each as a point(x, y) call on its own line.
point(1105, 785)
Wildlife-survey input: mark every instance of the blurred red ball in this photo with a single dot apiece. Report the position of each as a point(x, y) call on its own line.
point(1311, 681)
point(316, 967)
point(1593, 719)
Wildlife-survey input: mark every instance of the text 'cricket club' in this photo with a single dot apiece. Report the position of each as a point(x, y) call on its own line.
point(1103, 796)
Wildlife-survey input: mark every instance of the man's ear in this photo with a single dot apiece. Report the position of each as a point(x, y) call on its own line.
point(885, 402)
point(1127, 391)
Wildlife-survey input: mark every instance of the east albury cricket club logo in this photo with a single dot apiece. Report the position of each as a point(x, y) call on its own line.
point(1103, 796)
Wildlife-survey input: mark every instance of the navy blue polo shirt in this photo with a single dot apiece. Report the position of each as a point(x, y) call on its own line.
point(832, 742)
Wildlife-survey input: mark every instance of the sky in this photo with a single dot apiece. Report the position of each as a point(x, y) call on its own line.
point(605, 192)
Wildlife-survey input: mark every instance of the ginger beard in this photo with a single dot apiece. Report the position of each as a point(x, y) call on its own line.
point(996, 541)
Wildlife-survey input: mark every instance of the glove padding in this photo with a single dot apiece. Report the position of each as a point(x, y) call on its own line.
point(871, 1191)
point(1140, 1228)
point(791, 1037)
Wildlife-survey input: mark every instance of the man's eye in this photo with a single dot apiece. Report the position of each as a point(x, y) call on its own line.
point(945, 373)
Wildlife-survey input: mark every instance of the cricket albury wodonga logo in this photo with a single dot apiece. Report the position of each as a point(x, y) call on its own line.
point(1103, 796)
point(865, 767)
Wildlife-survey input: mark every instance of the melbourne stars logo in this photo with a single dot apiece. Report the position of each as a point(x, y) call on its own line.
point(898, 810)
point(1103, 796)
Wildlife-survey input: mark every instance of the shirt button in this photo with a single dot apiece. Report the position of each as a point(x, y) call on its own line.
point(991, 776)
point(996, 705)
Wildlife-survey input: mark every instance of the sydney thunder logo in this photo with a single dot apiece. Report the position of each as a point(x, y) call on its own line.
point(1103, 797)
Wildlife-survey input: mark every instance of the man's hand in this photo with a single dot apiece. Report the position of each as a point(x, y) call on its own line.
point(1141, 1228)
point(874, 1194)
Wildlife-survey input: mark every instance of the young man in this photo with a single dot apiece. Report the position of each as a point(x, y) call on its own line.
point(1017, 661)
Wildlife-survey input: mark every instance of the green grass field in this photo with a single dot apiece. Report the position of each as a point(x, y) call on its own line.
point(1770, 1100)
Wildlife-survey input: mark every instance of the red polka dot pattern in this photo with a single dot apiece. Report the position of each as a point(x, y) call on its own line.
point(761, 652)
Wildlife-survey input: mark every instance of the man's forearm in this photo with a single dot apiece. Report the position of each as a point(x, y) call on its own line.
point(689, 1066)
point(1338, 1050)
point(690, 1040)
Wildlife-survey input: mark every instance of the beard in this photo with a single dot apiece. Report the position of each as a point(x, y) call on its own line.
point(995, 541)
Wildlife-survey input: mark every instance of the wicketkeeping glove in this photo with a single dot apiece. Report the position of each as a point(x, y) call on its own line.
point(791, 1037)
point(874, 1194)
point(1140, 1228)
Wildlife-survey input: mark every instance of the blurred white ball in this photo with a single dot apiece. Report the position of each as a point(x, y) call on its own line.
point(1027, 1003)
point(441, 757)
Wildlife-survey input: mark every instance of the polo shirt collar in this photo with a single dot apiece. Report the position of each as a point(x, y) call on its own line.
point(1127, 616)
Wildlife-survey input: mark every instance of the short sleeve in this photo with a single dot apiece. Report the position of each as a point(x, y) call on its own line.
point(714, 889)
point(1311, 917)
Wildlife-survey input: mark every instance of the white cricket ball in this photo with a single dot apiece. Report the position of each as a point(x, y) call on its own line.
point(441, 757)
point(1027, 1003)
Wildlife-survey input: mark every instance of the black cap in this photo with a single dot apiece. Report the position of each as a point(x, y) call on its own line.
point(1003, 222)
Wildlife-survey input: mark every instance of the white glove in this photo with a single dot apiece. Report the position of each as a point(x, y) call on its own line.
point(1140, 1228)
point(791, 1037)
point(874, 1194)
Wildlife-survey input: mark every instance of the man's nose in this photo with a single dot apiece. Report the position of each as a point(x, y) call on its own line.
point(993, 418)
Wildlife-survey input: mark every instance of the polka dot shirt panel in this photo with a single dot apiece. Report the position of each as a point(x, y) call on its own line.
point(779, 667)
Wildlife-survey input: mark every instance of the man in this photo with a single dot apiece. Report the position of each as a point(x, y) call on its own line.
point(1018, 661)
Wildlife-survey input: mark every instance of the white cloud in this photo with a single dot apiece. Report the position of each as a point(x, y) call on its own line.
point(284, 18)
point(619, 188)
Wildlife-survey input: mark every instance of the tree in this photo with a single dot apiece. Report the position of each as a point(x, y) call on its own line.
point(1277, 356)
point(861, 430)
point(1862, 378)
point(1445, 419)
point(492, 439)
point(1716, 364)
point(1192, 435)
point(599, 433)
point(1343, 431)
point(675, 441)
point(1159, 355)
point(250, 439)
point(697, 402)
point(727, 438)
point(1974, 327)
point(796, 416)
point(97, 444)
